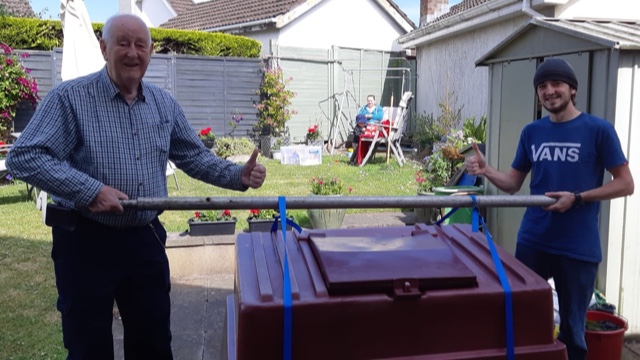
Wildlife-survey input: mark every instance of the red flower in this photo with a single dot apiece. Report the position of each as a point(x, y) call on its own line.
point(254, 212)
point(197, 215)
point(226, 213)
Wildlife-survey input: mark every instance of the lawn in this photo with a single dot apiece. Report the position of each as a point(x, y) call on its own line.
point(30, 322)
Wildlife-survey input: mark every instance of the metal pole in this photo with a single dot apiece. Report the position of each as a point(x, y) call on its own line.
point(336, 202)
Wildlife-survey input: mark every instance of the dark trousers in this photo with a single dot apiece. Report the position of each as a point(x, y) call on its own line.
point(574, 281)
point(95, 264)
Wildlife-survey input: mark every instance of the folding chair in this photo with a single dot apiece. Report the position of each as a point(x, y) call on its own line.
point(171, 171)
point(388, 134)
point(32, 191)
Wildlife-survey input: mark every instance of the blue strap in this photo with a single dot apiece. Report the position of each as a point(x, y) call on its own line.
point(286, 296)
point(446, 216)
point(276, 221)
point(504, 281)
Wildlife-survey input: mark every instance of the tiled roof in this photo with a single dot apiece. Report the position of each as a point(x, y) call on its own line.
point(458, 8)
point(19, 8)
point(179, 6)
point(217, 13)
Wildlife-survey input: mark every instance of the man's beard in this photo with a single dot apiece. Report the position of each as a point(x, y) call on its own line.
point(558, 107)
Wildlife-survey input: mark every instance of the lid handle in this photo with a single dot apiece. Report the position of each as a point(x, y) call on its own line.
point(406, 289)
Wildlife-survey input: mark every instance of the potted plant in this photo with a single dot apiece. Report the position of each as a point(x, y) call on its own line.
point(276, 154)
point(313, 136)
point(327, 218)
point(273, 109)
point(425, 183)
point(207, 137)
point(211, 222)
point(261, 220)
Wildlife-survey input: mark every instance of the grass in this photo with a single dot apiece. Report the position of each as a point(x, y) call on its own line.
point(30, 322)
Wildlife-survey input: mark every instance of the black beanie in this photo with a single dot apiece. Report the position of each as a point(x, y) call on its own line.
point(555, 69)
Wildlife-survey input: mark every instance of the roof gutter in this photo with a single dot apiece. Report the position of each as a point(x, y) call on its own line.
point(526, 8)
point(476, 17)
point(241, 26)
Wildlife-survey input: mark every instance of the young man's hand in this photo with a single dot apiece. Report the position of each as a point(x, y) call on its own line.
point(476, 165)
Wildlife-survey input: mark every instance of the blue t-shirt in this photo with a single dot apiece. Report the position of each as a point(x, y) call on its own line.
point(569, 156)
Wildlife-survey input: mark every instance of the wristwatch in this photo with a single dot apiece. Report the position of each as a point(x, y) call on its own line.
point(578, 200)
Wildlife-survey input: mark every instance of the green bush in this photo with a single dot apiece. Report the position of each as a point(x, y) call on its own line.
point(229, 146)
point(477, 131)
point(36, 34)
point(426, 130)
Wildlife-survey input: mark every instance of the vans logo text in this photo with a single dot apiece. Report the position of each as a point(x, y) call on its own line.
point(554, 151)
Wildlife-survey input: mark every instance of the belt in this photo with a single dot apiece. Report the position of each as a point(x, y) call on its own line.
point(68, 219)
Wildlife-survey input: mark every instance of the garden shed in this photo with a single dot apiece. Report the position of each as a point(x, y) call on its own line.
point(606, 58)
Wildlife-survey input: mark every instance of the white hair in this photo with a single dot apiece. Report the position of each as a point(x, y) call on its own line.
point(106, 29)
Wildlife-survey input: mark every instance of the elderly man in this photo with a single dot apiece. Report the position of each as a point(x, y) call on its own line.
point(92, 142)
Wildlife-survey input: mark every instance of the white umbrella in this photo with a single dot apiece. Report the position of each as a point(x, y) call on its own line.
point(81, 53)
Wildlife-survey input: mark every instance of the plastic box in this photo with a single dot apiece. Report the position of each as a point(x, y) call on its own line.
point(301, 155)
point(419, 292)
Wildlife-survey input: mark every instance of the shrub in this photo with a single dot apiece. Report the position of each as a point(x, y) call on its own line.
point(16, 86)
point(228, 146)
point(275, 99)
point(478, 131)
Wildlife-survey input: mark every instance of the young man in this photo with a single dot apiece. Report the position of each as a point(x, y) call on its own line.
point(92, 142)
point(567, 153)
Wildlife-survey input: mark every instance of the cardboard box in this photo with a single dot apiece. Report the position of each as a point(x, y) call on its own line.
point(301, 155)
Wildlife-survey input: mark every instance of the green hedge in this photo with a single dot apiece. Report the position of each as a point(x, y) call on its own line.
point(36, 34)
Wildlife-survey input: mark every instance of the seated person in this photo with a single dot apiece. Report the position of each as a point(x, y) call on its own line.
point(371, 111)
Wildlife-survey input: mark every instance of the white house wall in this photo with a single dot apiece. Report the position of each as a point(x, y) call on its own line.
point(157, 11)
point(600, 9)
point(448, 66)
point(264, 37)
point(354, 23)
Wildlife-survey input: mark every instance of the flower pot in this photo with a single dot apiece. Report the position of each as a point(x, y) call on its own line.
point(326, 218)
point(208, 143)
point(605, 344)
point(427, 216)
point(268, 142)
point(315, 142)
point(263, 225)
point(205, 228)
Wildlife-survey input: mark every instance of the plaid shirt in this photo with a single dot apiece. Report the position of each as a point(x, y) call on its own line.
point(85, 135)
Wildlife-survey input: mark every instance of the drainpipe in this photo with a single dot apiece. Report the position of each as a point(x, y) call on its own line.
point(526, 8)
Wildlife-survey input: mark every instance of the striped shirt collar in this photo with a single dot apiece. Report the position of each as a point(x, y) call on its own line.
point(112, 90)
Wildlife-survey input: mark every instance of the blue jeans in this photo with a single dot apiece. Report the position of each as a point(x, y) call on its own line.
point(574, 281)
point(97, 264)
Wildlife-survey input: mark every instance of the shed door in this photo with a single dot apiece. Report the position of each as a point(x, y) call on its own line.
point(517, 109)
